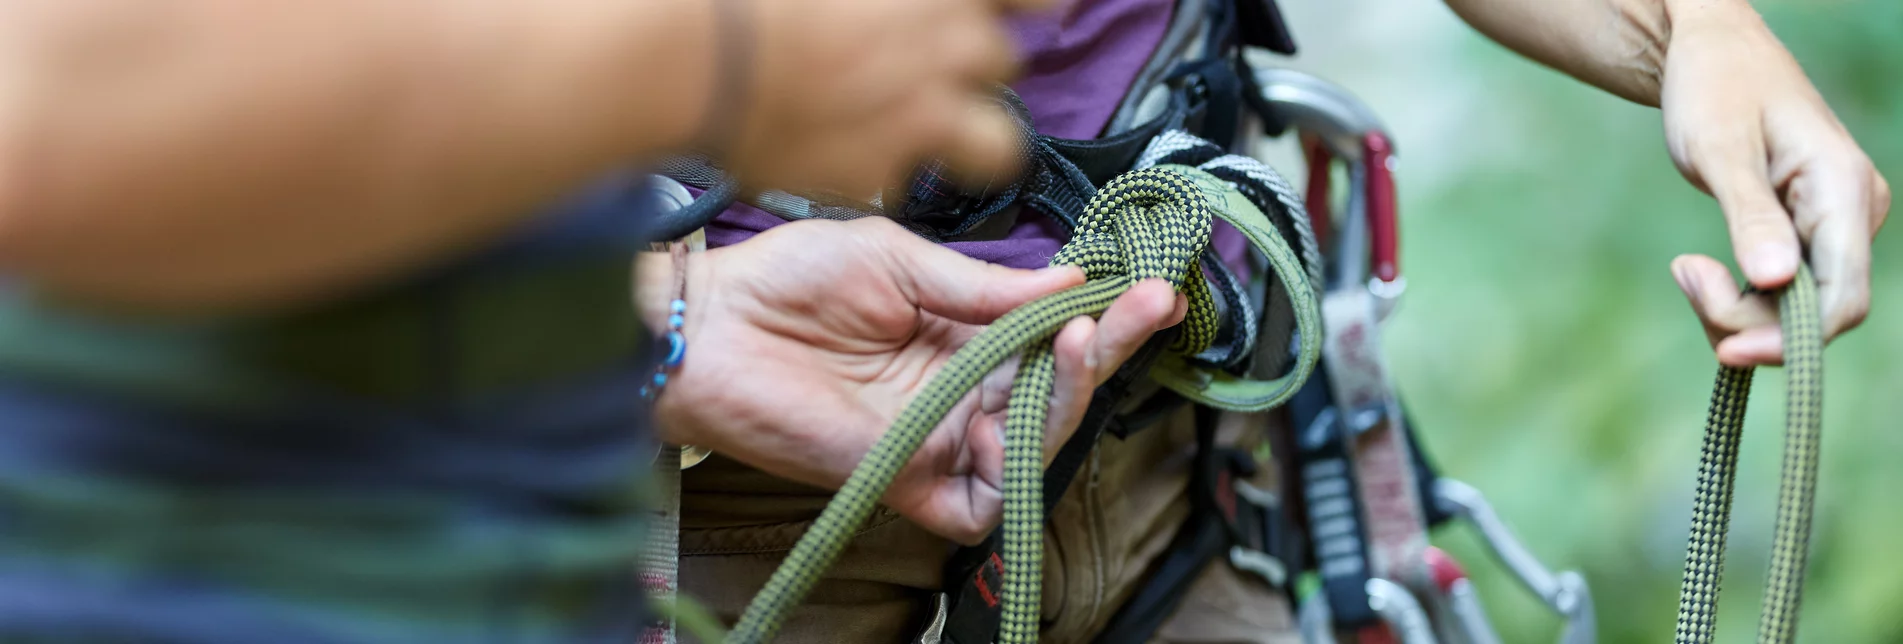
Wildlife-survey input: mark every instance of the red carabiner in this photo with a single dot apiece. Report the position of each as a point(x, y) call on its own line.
point(1383, 229)
point(1320, 188)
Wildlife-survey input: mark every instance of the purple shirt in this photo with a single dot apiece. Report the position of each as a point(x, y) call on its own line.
point(1079, 61)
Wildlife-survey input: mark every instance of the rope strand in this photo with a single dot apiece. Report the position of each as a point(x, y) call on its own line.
point(1717, 474)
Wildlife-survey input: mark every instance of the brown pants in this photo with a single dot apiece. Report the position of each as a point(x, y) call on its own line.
point(1119, 515)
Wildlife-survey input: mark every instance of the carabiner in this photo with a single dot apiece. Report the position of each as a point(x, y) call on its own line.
point(1337, 126)
point(1566, 593)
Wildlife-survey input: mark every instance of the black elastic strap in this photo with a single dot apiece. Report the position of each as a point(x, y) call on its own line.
point(1202, 539)
point(1331, 506)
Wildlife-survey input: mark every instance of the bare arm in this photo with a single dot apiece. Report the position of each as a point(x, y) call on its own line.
point(1616, 45)
point(194, 153)
point(1743, 123)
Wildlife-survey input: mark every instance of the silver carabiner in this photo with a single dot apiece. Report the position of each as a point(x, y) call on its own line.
point(1393, 603)
point(1347, 129)
point(1566, 592)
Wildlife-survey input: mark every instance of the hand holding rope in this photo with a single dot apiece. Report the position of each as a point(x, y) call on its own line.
point(1717, 474)
point(1151, 223)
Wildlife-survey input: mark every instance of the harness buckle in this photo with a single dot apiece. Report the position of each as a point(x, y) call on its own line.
point(1263, 550)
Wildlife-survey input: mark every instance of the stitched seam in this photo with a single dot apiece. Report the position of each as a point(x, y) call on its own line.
point(1093, 511)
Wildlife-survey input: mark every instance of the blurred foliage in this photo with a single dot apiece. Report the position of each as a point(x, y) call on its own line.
point(1550, 359)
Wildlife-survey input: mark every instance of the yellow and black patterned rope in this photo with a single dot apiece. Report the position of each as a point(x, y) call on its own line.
point(1150, 223)
point(1717, 472)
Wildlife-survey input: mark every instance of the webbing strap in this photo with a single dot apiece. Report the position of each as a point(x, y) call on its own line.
point(1221, 522)
point(1331, 504)
point(1717, 472)
point(660, 555)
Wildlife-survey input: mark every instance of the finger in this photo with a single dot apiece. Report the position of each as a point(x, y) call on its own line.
point(1879, 202)
point(977, 48)
point(985, 494)
point(966, 503)
point(914, 130)
point(949, 284)
point(953, 485)
point(1716, 299)
point(996, 388)
point(986, 149)
point(1129, 322)
point(1762, 234)
point(1832, 208)
point(1073, 385)
point(1758, 346)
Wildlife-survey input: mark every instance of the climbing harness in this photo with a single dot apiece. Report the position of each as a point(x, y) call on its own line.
point(1346, 536)
point(1718, 469)
point(1150, 223)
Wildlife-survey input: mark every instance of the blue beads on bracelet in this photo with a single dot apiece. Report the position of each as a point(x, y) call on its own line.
point(676, 350)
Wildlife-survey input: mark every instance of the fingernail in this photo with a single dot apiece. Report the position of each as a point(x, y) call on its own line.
point(1768, 262)
point(1684, 281)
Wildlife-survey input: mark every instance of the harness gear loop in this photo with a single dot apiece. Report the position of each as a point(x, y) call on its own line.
point(1152, 223)
point(1717, 472)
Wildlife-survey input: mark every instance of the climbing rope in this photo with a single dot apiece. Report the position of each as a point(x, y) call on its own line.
point(1151, 223)
point(1717, 471)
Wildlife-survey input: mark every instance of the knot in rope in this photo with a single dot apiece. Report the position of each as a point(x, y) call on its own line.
point(1150, 224)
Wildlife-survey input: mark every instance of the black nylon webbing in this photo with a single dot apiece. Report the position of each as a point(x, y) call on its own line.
point(973, 615)
point(1202, 539)
point(1324, 474)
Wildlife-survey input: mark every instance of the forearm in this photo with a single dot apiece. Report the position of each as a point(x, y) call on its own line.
point(1616, 45)
point(220, 152)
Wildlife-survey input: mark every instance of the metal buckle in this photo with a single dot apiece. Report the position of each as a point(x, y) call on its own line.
point(934, 632)
point(1259, 561)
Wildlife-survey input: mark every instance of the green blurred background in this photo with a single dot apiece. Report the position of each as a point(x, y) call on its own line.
point(1550, 359)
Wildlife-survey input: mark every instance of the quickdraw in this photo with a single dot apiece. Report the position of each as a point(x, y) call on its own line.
point(1371, 497)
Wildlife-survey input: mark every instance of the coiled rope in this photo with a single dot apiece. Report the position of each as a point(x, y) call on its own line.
point(1717, 472)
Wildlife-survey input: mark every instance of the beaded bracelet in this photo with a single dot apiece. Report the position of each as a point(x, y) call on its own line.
point(676, 320)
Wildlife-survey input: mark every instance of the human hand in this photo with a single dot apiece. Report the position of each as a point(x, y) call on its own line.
point(806, 342)
point(1744, 124)
point(848, 96)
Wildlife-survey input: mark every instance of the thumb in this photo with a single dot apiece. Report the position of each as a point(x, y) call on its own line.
point(949, 284)
point(1723, 309)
